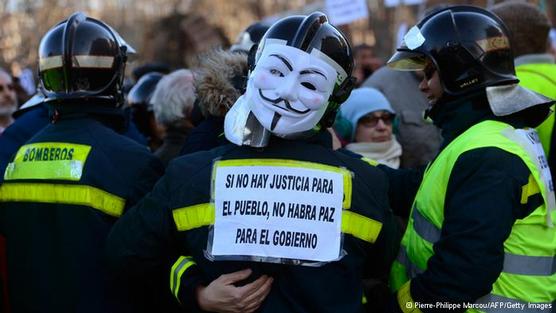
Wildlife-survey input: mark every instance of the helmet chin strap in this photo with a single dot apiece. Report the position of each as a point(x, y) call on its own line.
point(241, 127)
point(255, 135)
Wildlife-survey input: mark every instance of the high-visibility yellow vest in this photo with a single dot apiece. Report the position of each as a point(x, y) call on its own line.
point(540, 77)
point(528, 274)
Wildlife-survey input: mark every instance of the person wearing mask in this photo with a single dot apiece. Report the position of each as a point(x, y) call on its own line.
point(371, 117)
point(172, 101)
point(480, 233)
point(280, 162)
point(64, 189)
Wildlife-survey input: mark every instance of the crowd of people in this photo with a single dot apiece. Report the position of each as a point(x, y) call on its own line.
point(289, 173)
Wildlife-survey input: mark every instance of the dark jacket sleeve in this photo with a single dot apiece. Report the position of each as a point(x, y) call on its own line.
point(385, 248)
point(146, 178)
point(481, 206)
point(142, 247)
point(404, 184)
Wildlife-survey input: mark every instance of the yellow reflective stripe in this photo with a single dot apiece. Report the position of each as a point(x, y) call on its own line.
point(93, 61)
point(48, 160)
point(346, 204)
point(369, 161)
point(63, 194)
point(364, 299)
point(50, 62)
point(360, 226)
point(64, 170)
point(294, 163)
point(194, 216)
point(199, 215)
point(531, 188)
point(83, 61)
point(179, 267)
point(406, 303)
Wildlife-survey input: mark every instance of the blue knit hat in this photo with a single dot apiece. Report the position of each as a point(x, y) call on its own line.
point(361, 102)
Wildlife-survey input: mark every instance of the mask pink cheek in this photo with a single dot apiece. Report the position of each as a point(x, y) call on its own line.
point(313, 102)
point(263, 81)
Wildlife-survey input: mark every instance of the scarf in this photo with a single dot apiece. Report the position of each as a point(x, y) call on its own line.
point(387, 152)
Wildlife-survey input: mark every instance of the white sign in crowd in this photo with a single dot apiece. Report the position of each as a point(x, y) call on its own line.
point(277, 212)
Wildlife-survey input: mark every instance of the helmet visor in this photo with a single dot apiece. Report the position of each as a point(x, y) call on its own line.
point(407, 61)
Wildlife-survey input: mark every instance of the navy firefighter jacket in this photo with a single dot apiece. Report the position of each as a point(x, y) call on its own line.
point(59, 197)
point(169, 230)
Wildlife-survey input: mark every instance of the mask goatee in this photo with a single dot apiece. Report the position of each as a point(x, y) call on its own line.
point(275, 120)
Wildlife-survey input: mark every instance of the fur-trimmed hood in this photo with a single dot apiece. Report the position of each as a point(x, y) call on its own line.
point(220, 81)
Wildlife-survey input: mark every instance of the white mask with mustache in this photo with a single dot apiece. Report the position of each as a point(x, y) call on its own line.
point(288, 90)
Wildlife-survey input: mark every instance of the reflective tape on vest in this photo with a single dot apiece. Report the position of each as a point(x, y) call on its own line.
point(200, 215)
point(424, 228)
point(63, 194)
point(179, 267)
point(529, 265)
point(411, 268)
point(513, 263)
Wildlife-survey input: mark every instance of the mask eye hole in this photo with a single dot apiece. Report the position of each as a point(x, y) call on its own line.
point(276, 72)
point(309, 86)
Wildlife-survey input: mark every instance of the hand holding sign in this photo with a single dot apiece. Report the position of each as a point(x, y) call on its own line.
point(222, 296)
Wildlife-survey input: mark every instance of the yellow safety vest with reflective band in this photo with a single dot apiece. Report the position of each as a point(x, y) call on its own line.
point(528, 274)
point(540, 77)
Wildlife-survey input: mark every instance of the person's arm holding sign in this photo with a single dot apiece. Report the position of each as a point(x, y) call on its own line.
point(221, 295)
point(142, 246)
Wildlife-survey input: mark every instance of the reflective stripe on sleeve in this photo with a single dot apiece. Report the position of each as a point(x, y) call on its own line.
point(200, 215)
point(179, 267)
point(63, 194)
point(194, 216)
point(360, 226)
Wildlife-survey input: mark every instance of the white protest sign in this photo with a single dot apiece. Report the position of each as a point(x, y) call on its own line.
point(393, 3)
point(277, 211)
point(343, 12)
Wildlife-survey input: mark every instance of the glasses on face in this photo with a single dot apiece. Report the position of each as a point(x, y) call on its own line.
point(9, 87)
point(372, 120)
